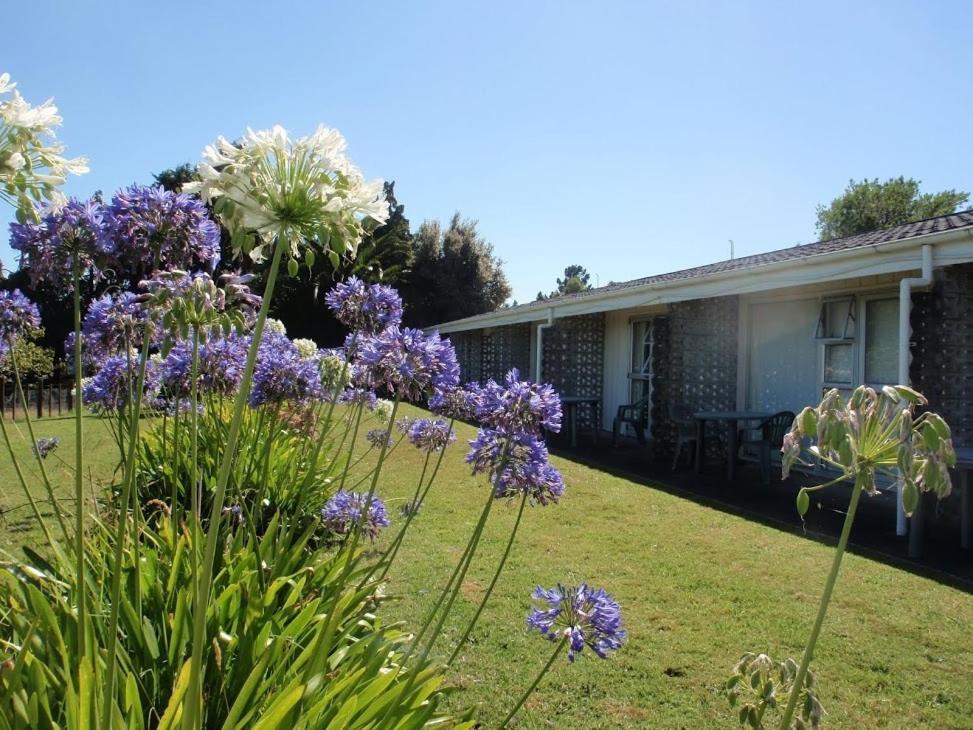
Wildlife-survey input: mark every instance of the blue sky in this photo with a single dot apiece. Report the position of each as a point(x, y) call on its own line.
point(632, 138)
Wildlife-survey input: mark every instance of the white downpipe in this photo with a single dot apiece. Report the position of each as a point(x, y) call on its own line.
point(905, 356)
point(539, 355)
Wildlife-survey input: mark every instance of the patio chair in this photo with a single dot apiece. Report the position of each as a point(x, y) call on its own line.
point(634, 415)
point(686, 433)
point(767, 437)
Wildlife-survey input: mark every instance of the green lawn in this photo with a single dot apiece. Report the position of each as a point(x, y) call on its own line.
point(697, 587)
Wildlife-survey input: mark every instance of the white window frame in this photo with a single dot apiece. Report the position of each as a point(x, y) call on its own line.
point(857, 342)
point(633, 323)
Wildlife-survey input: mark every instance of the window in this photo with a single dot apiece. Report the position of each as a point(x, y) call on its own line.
point(640, 373)
point(856, 351)
point(881, 342)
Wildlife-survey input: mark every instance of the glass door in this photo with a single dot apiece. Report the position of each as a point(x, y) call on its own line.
point(640, 374)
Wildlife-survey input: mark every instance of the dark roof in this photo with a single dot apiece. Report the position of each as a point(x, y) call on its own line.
point(904, 232)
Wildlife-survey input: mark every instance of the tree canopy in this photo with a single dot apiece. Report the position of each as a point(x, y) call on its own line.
point(454, 274)
point(869, 205)
point(576, 279)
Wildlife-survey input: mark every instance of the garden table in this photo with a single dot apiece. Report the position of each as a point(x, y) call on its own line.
point(731, 419)
point(570, 403)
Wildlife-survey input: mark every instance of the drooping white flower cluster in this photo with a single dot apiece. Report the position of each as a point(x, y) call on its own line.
point(267, 186)
point(32, 163)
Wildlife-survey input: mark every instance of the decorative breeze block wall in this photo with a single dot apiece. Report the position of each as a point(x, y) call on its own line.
point(574, 361)
point(696, 366)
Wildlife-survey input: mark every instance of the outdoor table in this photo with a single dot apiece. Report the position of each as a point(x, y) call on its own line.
point(570, 403)
point(731, 419)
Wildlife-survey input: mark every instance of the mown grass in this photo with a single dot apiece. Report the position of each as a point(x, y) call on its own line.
point(698, 587)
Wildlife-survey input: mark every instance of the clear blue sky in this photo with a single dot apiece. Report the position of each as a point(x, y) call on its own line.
point(632, 138)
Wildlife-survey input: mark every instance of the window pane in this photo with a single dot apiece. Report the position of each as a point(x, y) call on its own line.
point(838, 363)
point(839, 319)
point(882, 341)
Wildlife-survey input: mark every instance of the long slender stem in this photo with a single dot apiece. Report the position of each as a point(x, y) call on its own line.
point(80, 582)
point(393, 548)
point(530, 690)
point(23, 482)
point(128, 480)
point(192, 709)
point(785, 721)
point(33, 440)
point(493, 583)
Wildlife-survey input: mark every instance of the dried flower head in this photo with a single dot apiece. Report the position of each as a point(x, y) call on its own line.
point(758, 683)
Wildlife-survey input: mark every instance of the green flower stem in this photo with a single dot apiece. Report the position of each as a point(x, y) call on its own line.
point(192, 709)
point(79, 586)
point(23, 483)
point(785, 722)
point(351, 448)
point(33, 440)
point(530, 690)
point(125, 499)
point(493, 583)
point(393, 548)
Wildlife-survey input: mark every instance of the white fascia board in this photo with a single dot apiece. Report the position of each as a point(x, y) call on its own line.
point(951, 247)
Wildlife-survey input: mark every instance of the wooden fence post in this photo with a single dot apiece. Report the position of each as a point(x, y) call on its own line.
point(40, 398)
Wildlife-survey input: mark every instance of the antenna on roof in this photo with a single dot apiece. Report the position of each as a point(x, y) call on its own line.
point(731, 248)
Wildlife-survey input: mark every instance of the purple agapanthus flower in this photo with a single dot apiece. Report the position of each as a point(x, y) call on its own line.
point(18, 317)
point(429, 434)
point(407, 362)
point(112, 325)
point(282, 375)
point(516, 464)
point(148, 228)
point(404, 423)
point(48, 248)
point(585, 616)
point(345, 509)
point(519, 405)
point(360, 306)
point(459, 403)
point(46, 446)
point(109, 388)
point(378, 437)
point(358, 396)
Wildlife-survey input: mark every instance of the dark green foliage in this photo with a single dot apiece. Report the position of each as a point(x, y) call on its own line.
point(576, 279)
point(870, 205)
point(455, 274)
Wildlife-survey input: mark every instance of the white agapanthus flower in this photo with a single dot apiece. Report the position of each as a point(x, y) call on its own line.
point(305, 189)
point(383, 409)
point(32, 163)
point(307, 349)
point(275, 326)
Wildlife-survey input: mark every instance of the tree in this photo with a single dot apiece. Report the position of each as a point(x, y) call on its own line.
point(34, 362)
point(576, 279)
point(455, 274)
point(870, 205)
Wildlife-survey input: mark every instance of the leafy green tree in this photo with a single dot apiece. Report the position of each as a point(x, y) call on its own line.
point(870, 205)
point(455, 274)
point(576, 279)
point(34, 361)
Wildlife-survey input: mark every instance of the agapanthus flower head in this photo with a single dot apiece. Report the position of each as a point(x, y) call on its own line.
point(299, 190)
point(48, 248)
point(275, 326)
point(404, 423)
point(110, 388)
point(516, 464)
point(179, 301)
point(407, 362)
point(585, 616)
point(282, 375)
point(346, 509)
point(149, 228)
point(383, 409)
point(459, 403)
point(519, 405)
point(429, 434)
point(112, 325)
point(307, 349)
point(32, 165)
point(366, 307)
point(335, 371)
point(358, 396)
point(19, 316)
point(46, 446)
point(378, 437)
